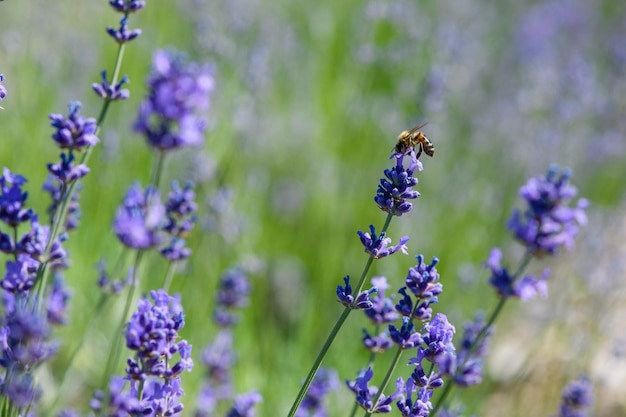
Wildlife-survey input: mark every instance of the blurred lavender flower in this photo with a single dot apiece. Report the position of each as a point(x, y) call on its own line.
point(139, 219)
point(54, 187)
point(109, 285)
point(382, 310)
point(376, 246)
point(111, 92)
point(312, 405)
point(232, 293)
point(365, 394)
point(548, 223)
point(506, 284)
point(3, 89)
point(577, 398)
point(152, 333)
point(123, 34)
point(218, 357)
point(120, 401)
point(127, 6)
point(243, 405)
point(378, 343)
point(345, 297)
point(397, 188)
point(58, 300)
point(20, 274)
point(65, 171)
point(74, 132)
point(179, 211)
point(177, 92)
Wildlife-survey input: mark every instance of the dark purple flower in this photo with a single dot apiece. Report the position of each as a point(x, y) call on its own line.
point(397, 188)
point(21, 390)
point(313, 403)
point(176, 250)
point(419, 377)
point(548, 223)
point(123, 34)
point(74, 132)
point(65, 171)
point(376, 246)
point(406, 337)
point(345, 297)
point(365, 394)
point(139, 219)
point(111, 92)
point(12, 199)
point(127, 6)
point(178, 92)
point(408, 408)
point(577, 398)
point(244, 405)
point(422, 279)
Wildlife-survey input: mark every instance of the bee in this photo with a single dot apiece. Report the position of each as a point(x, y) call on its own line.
point(416, 140)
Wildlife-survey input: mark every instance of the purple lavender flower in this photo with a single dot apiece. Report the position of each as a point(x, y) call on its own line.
point(20, 390)
point(397, 188)
point(422, 279)
point(382, 310)
point(506, 284)
point(120, 402)
point(111, 92)
point(34, 244)
point(577, 398)
point(376, 246)
point(74, 132)
point(378, 343)
point(152, 333)
point(178, 91)
point(58, 300)
point(139, 219)
point(3, 89)
point(437, 336)
point(12, 199)
point(54, 188)
point(548, 223)
point(233, 291)
point(345, 297)
point(109, 285)
point(243, 405)
point(127, 6)
point(406, 337)
point(179, 211)
point(365, 394)
point(20, 275)
point(313, 403)
point(408, 408)
point(123, 34)
point(65, 171)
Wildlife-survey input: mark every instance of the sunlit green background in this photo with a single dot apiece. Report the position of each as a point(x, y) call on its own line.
point(309, 99)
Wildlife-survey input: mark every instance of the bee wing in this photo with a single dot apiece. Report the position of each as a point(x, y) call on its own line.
point(416, 128)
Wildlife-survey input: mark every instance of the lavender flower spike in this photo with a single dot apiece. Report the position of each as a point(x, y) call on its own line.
point(3, 90)
point(577, 398)
point(397, 188)
point(74, 132)
point(376, 246)
point(548, 223)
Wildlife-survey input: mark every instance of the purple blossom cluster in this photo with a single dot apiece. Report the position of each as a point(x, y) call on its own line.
point(548, 223)
point(154, 375)
point(313, 405)
point(577, 398)
point(180, 219)
point(397, 188)
point(139, 219)
point(377, 246)
point(178, 92)
point(3, 89)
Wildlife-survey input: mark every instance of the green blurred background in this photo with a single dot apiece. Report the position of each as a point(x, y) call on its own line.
point(309, 99)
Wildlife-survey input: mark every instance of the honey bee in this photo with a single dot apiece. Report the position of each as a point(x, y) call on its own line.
point(416, 140)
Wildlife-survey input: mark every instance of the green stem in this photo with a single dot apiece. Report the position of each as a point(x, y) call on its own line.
point(481, 335)
point(114, 353)
point(158, 168)
point(333, 333)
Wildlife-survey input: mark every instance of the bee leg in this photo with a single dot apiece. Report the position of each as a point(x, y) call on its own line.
point(419, 152)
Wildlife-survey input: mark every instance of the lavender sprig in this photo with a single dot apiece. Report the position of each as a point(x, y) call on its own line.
point(391, 197)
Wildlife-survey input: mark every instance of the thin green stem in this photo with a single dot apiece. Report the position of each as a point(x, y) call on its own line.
point(114, 353)
point(383, 385)
point(481, 335)
point(158, 169)
point(169, 275)
point(333, 333)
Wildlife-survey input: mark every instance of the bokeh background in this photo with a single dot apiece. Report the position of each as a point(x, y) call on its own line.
point(309, 99)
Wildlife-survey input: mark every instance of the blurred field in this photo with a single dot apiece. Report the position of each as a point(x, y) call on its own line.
point(310, 98)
